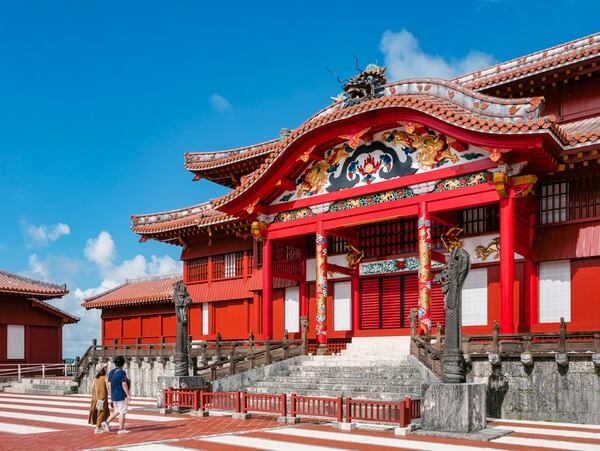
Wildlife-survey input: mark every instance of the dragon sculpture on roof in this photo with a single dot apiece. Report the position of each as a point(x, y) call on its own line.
point(367, 84)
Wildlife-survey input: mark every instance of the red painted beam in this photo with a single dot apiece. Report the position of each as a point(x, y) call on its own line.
point(332, 267)
point(287, 276)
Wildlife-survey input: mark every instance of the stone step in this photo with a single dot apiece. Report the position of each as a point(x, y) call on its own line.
point(384, 396)
point(366, 376)
point(345, 380)
point(335, 386)
point(339, 362)
point(53, 382)
point(31, 391)
point(365, 372)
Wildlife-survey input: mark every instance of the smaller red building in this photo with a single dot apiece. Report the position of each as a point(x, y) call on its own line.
point(30, 327)
point(137, 309)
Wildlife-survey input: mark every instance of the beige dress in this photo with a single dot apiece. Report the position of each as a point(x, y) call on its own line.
point(99, 391)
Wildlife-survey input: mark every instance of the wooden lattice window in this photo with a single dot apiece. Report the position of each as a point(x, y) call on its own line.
point(228, 265)
point(554, 202)
point(479, 220)
point(197, 269)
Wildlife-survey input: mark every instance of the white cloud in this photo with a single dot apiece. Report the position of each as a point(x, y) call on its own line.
point(42, 235)
point(220, 103)
point(404, 59)
point(38, 268)
point(101, 250)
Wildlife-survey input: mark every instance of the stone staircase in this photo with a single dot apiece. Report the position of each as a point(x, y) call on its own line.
point(333, 376)
point(376, 368)
point(48, 386)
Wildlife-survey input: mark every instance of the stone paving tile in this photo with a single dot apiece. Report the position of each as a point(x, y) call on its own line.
point(77, 438)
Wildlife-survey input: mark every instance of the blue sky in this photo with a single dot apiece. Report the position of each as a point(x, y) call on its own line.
point(99, 101)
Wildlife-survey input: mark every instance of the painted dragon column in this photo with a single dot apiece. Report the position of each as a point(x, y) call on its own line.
point(321, 288)
point(181, 374)
point(424, 235)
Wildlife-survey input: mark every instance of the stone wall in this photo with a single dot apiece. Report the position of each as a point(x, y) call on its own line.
point(142, 372)
point(543, 392)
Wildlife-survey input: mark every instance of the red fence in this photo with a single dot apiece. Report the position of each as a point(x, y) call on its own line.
point(397, 412)
point(220, 401)
point(400, 412)
point(307, 406)
point(264, 403)
point(183, 397)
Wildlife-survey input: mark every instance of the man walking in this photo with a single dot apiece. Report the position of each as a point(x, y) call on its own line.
point(118, 387)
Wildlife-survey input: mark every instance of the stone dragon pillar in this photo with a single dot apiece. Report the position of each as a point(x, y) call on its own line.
point(424, 280)
point(321, 290)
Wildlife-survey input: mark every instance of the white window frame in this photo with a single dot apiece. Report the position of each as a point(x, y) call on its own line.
point(291, 310)
point(554, 280)
point(474, 308)
point(229, 264)
point(15, 342)
point(205, 320)
point(342, 306)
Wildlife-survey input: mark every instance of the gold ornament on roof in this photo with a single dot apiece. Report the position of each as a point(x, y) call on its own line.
point(452, 238)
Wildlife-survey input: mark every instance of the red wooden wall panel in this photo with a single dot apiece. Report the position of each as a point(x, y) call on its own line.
point(43, 345)
point(369, 303)
point(390, 302)
point(151, 329)
point(585, 308)
point(278, 314)
point(230, 320)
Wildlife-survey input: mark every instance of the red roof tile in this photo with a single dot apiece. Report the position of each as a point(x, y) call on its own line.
point(582, 131)
point(201, 161)
point(13, 283)
point(566, 54)
point(132, 292)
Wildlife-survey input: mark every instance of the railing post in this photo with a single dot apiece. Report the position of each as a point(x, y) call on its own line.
point(162, 347)
point(413, 322)
point(339, 409)
point(562, 344)
point(94, 343)
point(348, 410)
point(283, 401)
point(232, 358)
point(43, 371)
point(438, 337)
point(495, 340)
point(244, 407)
point(251, 348)
point(293, 405)
point(202, 407)
point(237, 402)
point(65, 368)
point(286, 344)
point(304, 323)
point(19, 372)
point(218, 345)
point(267, 352)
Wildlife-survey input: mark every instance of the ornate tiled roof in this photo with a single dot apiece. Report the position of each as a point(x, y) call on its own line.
point(569, 53)
point(584, 131)
point(140, 291)
point(67, 317)
point(444, 100)
point(198, 215)
point(199, 161)
point(15, 284)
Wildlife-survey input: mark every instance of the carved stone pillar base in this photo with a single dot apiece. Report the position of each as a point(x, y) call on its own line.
point(453, 407)
point(164, 382)
point(453, 364)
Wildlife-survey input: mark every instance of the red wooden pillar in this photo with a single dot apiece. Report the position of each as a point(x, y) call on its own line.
point(355, 296)
point(425, 278)
point(321, 285)
point(267, 292)
point(302, 288)
point(531, 278)
point(507, 262)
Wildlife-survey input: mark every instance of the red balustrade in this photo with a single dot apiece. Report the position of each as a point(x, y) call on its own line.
point(399, 412)
point(264, 403)
point(308, 406)
point(220, 401)
point(183, 397)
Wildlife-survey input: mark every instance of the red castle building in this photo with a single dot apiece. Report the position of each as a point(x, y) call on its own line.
point(30, 327)
point(347, 218)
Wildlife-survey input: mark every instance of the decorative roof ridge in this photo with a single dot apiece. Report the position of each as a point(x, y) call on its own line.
point(131, 282)
point(53, 286)
point(211, 155)
point(154, 278)
point(75, 319)
point(416, 94)
point(534, 57)
point(166, 215)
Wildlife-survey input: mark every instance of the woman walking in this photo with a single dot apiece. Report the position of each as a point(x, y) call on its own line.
point(99, 407)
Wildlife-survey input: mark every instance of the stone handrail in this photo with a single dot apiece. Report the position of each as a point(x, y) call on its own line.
point(525, 346)
point(211, 359)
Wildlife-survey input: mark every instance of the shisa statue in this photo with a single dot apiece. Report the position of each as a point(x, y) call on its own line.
point(452, 279)
point(182, 301)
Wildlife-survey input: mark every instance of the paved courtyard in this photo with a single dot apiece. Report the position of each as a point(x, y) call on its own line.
point(60, 423)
